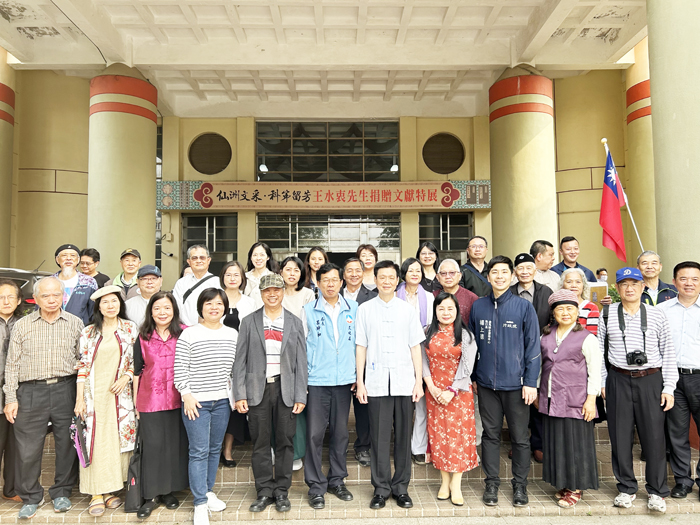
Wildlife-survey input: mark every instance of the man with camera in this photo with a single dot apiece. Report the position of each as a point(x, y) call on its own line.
point(639, 386)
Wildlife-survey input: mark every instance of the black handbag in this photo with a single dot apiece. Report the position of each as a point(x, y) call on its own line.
point(133, 499)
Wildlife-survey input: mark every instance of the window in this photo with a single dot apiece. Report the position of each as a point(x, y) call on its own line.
point(450, 232)
point(210, 153)
point(443, 153)
point(219, 233)
point(327, 151)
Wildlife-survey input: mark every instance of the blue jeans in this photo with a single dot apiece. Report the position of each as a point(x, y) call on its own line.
point(206, 434)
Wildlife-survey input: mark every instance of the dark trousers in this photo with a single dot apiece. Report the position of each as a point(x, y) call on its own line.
point(385, 413)
point(493, 405)
point(272, 411)
point(535, 428)
point(635, 402)
point(687, 404)
point(327, 406)
point(39, 405)
point(8, 451)
point(361, 425)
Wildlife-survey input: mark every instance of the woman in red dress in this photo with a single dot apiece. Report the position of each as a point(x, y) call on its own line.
point(449, 351)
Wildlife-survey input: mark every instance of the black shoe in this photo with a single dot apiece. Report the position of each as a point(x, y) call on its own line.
point(261, 504)
point(363, 458)
point(316, 501)
point(520, 496)
point(681, 491)
point(148, 507)
point(170, 501)
point(418, 459)
point(341, 492)
point(403, 500)
point(378, 502)
point(490, 496)
point(228, 463)
point(282, 503)
point(642, 456)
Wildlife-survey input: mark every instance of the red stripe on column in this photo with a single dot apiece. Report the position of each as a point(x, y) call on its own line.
point(4, 115)
point(120, 85)
point(525, 85)
point(525, 107)
point(7, 95)
point(120, 107)
point(639, 113)
point(638, 92)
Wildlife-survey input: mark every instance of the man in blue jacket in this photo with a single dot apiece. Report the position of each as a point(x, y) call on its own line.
point(329, 323)
point(506, 372)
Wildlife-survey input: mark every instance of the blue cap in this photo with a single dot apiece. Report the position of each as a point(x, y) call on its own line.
point(628, 273)
point(148, 269)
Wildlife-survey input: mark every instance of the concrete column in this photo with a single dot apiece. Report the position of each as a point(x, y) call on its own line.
point(7, 133)
point(523, 184)
point(122, 169)
point(640, 155)
point(674, 30)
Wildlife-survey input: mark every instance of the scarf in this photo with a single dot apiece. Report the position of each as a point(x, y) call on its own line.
point(422, 302)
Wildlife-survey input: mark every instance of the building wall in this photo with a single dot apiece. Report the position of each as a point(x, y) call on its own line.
point(52, 164)
point(588, 108)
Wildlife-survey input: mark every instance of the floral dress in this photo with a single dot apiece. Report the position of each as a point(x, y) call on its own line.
point(451, 428)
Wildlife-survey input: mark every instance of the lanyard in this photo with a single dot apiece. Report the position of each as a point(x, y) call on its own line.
point(621, 322)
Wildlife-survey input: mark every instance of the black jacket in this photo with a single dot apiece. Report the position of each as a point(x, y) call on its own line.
point(365, 294)
point(474, 283)
point(540, 301)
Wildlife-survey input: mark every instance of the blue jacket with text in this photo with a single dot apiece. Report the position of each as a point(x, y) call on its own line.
point(507, 336)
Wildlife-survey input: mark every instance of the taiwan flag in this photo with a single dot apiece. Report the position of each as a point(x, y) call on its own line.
point(610, 218)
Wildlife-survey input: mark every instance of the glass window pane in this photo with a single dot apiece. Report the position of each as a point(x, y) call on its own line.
point(334, 176)
point(302, 163)
point(230, 221)
point(345, 164)
point(274, 177)
point(377, 163)
point(274, 146)
point(382, 146)
point(387, 176)
point(310, 177)
point(345, 129)
point(310, 129)
point(310, 147)
point(345, 146)
point(274, 129)
point(381, 129)
point(275, 163)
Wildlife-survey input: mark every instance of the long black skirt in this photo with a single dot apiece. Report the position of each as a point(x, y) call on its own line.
point(165, 453)
point(569, 453)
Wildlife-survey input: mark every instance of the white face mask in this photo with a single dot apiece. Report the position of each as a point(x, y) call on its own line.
point(604, 278)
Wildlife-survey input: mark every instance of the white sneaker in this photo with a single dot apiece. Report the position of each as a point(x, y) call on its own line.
point(214, 504)
point(656, 503)
point(624, 500)
point(298, 464)
point(201, 515)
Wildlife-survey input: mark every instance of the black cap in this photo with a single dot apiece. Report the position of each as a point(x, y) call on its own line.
point(523, 258)
point(130, 251)
point(67, 247)
point(148, 269)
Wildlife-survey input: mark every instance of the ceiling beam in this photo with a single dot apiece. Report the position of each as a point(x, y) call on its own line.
point(97, 26)
point(545, 21)
point(14, 43)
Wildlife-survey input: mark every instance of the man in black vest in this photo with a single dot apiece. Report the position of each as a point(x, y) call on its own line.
point(474, 276)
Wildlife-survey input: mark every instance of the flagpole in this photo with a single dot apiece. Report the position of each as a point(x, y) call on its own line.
point(604, 141)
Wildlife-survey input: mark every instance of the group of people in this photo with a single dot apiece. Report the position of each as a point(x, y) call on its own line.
point(437, 352)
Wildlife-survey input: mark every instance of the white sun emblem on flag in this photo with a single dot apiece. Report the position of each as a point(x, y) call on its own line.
point(611, 176)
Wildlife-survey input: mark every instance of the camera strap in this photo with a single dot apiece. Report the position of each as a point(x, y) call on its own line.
point(621, 322)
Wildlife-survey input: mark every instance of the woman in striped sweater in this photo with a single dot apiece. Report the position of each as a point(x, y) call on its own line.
point(203, 368)
point(575, 280)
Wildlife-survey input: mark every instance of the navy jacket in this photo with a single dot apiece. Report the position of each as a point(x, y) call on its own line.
point(508, 342)
point(666, 292)
point(80, 303)
point(561, 267)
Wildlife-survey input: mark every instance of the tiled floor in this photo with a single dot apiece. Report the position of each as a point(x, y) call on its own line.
point(235, 486)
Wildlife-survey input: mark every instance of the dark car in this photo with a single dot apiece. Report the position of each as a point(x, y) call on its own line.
point(25, 279)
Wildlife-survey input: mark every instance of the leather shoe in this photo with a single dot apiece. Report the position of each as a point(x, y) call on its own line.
point(520, 496)
point(282, 503)
point(316, 501)
point(228, 463)
point(403, 500)
point(261, 503)
point(341, 492)
point(170, 501)
point(681, 491)
point(363, 458)
point(418, 459)
point(378, 502)
point(538, 455)
point(490, 496)
point(148, 507)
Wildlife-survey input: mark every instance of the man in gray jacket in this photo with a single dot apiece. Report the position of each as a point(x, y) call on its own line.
point(269, 383)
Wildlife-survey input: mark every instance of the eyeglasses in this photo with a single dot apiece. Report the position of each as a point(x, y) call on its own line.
point(330, 281)
point(8, 298)
point(198, 258)
point(477, 246)
point(447, 274)
point(149, 279)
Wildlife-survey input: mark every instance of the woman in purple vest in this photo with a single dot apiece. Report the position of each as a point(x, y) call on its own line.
point(569, 385)
point(165, 447)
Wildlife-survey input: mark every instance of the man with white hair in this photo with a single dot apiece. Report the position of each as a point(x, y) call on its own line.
point(655, 290)
point(40, 389)
point(188, 288)
point(448, 276)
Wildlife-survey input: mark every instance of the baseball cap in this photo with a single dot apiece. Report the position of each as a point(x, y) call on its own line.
point(148, 269)
point(523, 258)
point(628, 273)
point(130, 251)
point(271, 280)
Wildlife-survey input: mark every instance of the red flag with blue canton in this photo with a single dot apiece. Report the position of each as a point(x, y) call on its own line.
point(610, 217)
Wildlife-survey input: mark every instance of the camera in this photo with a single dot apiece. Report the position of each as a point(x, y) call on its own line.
point(637, 358)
